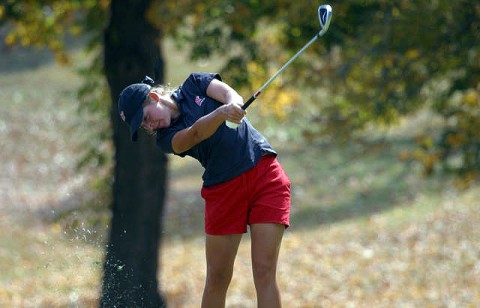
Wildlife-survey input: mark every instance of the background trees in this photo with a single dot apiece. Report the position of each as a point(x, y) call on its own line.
point(379, 62)
point(131, 50)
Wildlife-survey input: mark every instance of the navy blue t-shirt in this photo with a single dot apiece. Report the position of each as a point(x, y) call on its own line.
point(228, 152)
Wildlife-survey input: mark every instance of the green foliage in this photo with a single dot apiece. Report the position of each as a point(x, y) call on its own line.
point(50, 24)
point(379, 61)
point(394, 61)
point(93, 99)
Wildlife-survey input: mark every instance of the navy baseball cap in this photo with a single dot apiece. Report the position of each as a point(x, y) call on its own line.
point(130, 106)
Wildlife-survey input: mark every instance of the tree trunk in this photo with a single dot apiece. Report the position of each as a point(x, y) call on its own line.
point(131, 261)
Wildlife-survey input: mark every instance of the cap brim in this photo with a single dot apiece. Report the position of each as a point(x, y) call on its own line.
point(135, 124)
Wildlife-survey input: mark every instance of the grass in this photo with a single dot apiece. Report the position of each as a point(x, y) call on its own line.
point(367, 229)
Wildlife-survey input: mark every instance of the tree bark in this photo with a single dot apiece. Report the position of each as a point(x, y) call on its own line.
point(131, 261)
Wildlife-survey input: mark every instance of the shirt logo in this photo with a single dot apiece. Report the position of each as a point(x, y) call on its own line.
point(199, 100)
point(122, 115)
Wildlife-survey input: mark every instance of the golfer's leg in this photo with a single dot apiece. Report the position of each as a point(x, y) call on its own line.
point(266, 240)
point(220, 253)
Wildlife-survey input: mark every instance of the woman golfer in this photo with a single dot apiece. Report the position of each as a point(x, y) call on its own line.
point(243, 183)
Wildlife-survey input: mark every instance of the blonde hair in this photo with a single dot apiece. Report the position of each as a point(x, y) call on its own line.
point(160, 89)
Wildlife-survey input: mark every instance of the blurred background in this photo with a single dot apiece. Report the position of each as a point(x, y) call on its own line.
point(377, 125)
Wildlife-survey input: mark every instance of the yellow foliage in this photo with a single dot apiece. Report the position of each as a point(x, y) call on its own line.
point(25, 41)
point(256, 72)
point(429, 162)
point(424, 141)
point(471, 98)
point(55, 45)
point(466, 181)
point(427, 159)
point(404, 155)
point(388, 62)
point(418, 154)
point(396, 11)
point(104, 4)
point(278, 100)
point(412, 54)
point(76, 30)
point(455, 140)
point(10, 39)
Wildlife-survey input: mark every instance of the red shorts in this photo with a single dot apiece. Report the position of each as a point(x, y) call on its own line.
point(260, 195)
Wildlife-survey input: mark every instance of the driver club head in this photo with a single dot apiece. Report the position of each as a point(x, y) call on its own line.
point(325, 16)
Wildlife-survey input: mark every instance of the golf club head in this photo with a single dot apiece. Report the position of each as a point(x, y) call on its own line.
point(325, 16)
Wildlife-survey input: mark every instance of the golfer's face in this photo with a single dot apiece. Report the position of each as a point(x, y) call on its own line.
point(155, 116)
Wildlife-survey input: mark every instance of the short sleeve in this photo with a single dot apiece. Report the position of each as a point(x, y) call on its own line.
point(203, 80)
point(164, 140)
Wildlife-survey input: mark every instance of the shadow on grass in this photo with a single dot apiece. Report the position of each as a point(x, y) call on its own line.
point(355, 181)
point(356, 205)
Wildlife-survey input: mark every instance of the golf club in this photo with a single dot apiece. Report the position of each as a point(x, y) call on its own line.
point(324, 16)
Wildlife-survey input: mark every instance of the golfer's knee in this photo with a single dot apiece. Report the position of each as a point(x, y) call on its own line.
point(218, 279)
point(264, 273)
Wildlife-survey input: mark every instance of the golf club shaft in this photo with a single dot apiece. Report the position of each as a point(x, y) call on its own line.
point(254, 96)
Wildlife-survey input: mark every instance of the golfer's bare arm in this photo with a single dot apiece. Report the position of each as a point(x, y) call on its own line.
point(206, 126)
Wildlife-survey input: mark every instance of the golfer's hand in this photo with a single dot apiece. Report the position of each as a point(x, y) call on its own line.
point(233, 112)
